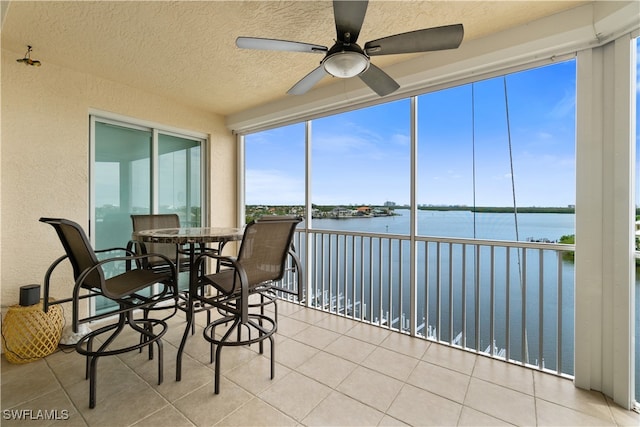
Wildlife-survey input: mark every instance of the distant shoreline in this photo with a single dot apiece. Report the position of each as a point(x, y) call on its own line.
point(282, 209)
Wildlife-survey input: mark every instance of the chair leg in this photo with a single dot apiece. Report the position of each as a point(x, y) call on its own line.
point(145, 316)
point(236, 324)
point(149, 327)
point(273, 356)
point(275, 310)
point(117, 328)
point(216, 389)
point(183, 342)
point(261, 342)
point(92, 381)
point(93, 360)
point(87, 362)
point(160, 361)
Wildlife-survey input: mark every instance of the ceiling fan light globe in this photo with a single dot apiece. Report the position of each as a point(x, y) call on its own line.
point(345, 64)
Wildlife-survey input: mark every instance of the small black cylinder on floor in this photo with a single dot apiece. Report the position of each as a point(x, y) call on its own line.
point(29, 295)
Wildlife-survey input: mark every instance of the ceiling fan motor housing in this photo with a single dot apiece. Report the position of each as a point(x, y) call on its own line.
point(345, 60)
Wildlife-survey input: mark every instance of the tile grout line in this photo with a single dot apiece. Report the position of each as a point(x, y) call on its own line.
point(66, 393)
point(466, 392)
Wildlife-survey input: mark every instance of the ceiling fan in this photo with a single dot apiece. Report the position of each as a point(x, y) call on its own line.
point(347, 59)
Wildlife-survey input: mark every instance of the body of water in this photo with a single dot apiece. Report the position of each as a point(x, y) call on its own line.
point(463, 224)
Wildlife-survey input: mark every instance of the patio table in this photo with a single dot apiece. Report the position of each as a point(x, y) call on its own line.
point(194, 237)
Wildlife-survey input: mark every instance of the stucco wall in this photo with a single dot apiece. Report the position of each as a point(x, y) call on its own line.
point(44, 160)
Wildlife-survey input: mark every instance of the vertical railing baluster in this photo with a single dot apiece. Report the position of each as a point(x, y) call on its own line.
point(508, 306)
point(559, 314)
point(362, 278)
point(540, 308)
point(451, 293)
point(328, 281)
point(345, 291)
point(380, 272)
point(345, 274)
point(523, 281)
point(477, 298)
point(335, 275)
point(353, 281)
point(390, 284)
point(426, 289)
point(492, 301)
point(400, 285)
point(319, 256)
point(438, 289)
point(322, 272)
point(371, 319)
point(342, 250)
point(313, 286)
point(345, 279)
point(463, 342)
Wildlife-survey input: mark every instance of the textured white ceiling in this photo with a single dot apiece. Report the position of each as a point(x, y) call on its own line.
point(186, 50)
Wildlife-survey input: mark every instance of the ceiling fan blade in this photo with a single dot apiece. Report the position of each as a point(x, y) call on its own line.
point(307, 81)
point(349, 16)
point(273, 44)
point(379, 81)
point(426, 40)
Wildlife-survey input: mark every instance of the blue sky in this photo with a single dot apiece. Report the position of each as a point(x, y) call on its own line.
point(363, 156)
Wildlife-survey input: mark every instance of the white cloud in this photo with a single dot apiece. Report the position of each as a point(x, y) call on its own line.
point(564, 107)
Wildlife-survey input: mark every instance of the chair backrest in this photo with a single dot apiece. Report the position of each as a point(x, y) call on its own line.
point(154, 222)
point(265, 248)
point(78, 248)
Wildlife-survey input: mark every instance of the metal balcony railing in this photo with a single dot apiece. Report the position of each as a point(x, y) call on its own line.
point(512, 301)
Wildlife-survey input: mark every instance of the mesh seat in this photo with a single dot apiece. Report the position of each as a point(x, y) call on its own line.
point(261, 262)
point(132, 289)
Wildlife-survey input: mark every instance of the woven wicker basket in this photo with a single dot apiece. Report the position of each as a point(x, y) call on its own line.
point(29, 334)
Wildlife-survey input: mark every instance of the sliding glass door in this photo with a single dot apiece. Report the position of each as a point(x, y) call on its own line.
point(179, 176)
point(141, 170)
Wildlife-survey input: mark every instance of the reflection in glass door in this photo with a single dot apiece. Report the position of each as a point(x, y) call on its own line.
point(179, 178)
point(140, 170)
point(121, 181)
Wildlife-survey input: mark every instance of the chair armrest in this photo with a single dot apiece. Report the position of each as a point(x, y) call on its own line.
point(297, 267)
point(126, 250)
point(47, 280)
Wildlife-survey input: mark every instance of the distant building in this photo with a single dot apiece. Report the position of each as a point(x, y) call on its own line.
point(341, 212)
point(389, 204)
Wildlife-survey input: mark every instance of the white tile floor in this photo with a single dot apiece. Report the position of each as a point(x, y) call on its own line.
point(330, 371)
